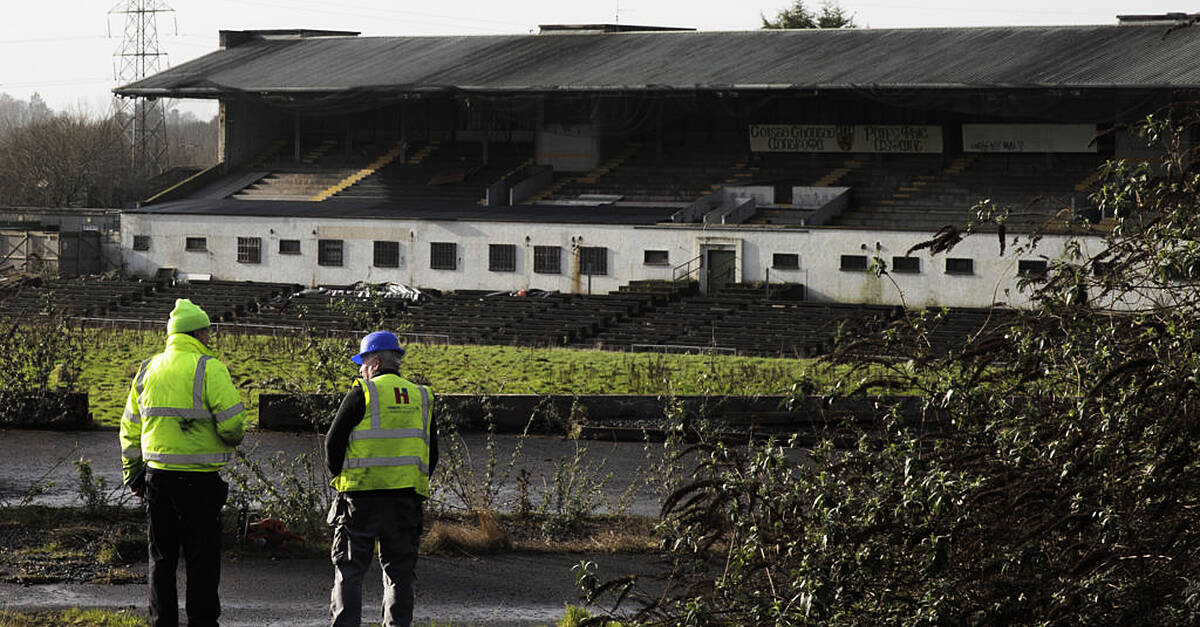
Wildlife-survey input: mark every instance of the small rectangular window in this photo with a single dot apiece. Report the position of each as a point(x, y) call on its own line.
point(502, 257)
point(196, 244)
point(443, 255)
point(656, 257)
point(329, 252)
point(593, 260)
point(387, 254)
point(547, 259)
point(249, 250)
point(785, 261)
point(289, 247)
point(1031, 268)
point(960, 266)
point(854, 262)
point(910, 265)
point(141, 242)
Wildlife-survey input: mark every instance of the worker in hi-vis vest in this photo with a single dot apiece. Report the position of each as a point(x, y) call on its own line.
point(181, 423)
point(381, 450)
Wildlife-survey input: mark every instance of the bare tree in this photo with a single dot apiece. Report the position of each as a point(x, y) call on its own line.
point(65, 160)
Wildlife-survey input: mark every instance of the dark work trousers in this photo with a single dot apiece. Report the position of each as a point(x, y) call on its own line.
point(185, 511)
point(358, 521)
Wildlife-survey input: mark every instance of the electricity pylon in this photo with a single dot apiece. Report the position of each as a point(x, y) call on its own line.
point(144, 120)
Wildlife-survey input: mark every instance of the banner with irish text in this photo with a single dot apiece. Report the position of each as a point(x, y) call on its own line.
point(845, 138)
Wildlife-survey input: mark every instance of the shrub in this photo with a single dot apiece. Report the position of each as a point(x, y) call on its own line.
point(1051, 480)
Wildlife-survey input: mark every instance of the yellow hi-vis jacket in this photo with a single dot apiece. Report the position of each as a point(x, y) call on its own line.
point(183, 412)
point(389, 448)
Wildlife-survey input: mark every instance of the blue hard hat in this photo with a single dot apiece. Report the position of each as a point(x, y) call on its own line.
point(377, 341)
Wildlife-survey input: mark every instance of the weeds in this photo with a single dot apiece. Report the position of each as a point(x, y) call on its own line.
point(293, 490)
point(75, 616)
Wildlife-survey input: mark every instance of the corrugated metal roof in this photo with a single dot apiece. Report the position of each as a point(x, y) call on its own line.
point(1019, 57)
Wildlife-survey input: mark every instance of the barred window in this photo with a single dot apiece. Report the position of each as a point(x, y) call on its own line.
point(196, 244)
point(547, 259)
point(502, 257)
point(141, 242)
point(249, 250)
point(911, 265)
point(443, 255)
point(960, 266)
point(387, 254)
point(289, 247)
point(854, 262)
point(329, 252)
point(785, 261)
point(593, 260)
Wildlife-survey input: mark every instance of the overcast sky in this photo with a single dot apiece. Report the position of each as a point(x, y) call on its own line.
point(63, 49)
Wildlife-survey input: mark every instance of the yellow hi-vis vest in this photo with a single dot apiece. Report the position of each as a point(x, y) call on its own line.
point(183, 411)
point(389, 448)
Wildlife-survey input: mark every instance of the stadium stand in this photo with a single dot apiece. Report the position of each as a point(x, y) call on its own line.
point(747, 320)
point(917, 194)
point(637, 173)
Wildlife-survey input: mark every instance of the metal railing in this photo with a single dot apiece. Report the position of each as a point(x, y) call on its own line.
point(253, 329)
point(682, 348)
point(684, 271)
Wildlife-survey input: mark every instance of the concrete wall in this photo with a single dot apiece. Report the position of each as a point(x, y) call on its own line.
point(993, 278)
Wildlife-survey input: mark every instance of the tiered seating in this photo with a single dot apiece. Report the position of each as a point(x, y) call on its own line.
point(318, 309)
point(442, 171)
point(685, 174)
point(323, 164)
point(70, 297)
point(742, 319)
point(572, 318)
point(1033, 186)
point(469, 317)
point(222, 300)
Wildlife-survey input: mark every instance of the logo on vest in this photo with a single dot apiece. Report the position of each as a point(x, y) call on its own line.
point(401, 395)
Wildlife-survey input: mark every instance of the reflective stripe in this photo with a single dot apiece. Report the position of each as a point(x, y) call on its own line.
point(132, 453)
point(207, 458)
point(141, 377)
point(133, 417)
point(230, 413)
point(198, 383)
point(140, 384)
point(373, 392)
point(409, 460)
point(379, 434)
point(176, 412)
point(424, 406)
point(197, 409)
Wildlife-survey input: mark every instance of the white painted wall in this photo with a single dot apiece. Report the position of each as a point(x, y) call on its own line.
point(820, 249)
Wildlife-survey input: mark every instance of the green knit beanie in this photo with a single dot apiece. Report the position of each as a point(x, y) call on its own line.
point(186, 316)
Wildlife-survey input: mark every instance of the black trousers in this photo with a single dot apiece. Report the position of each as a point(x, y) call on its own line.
point(185, 513)
point(394, 520)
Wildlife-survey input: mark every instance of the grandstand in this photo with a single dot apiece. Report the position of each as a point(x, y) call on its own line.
point(579, 163)
point(744, 320)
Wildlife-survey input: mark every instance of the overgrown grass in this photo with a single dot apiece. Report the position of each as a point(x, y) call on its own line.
point(266, 364)
point(64, 618)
